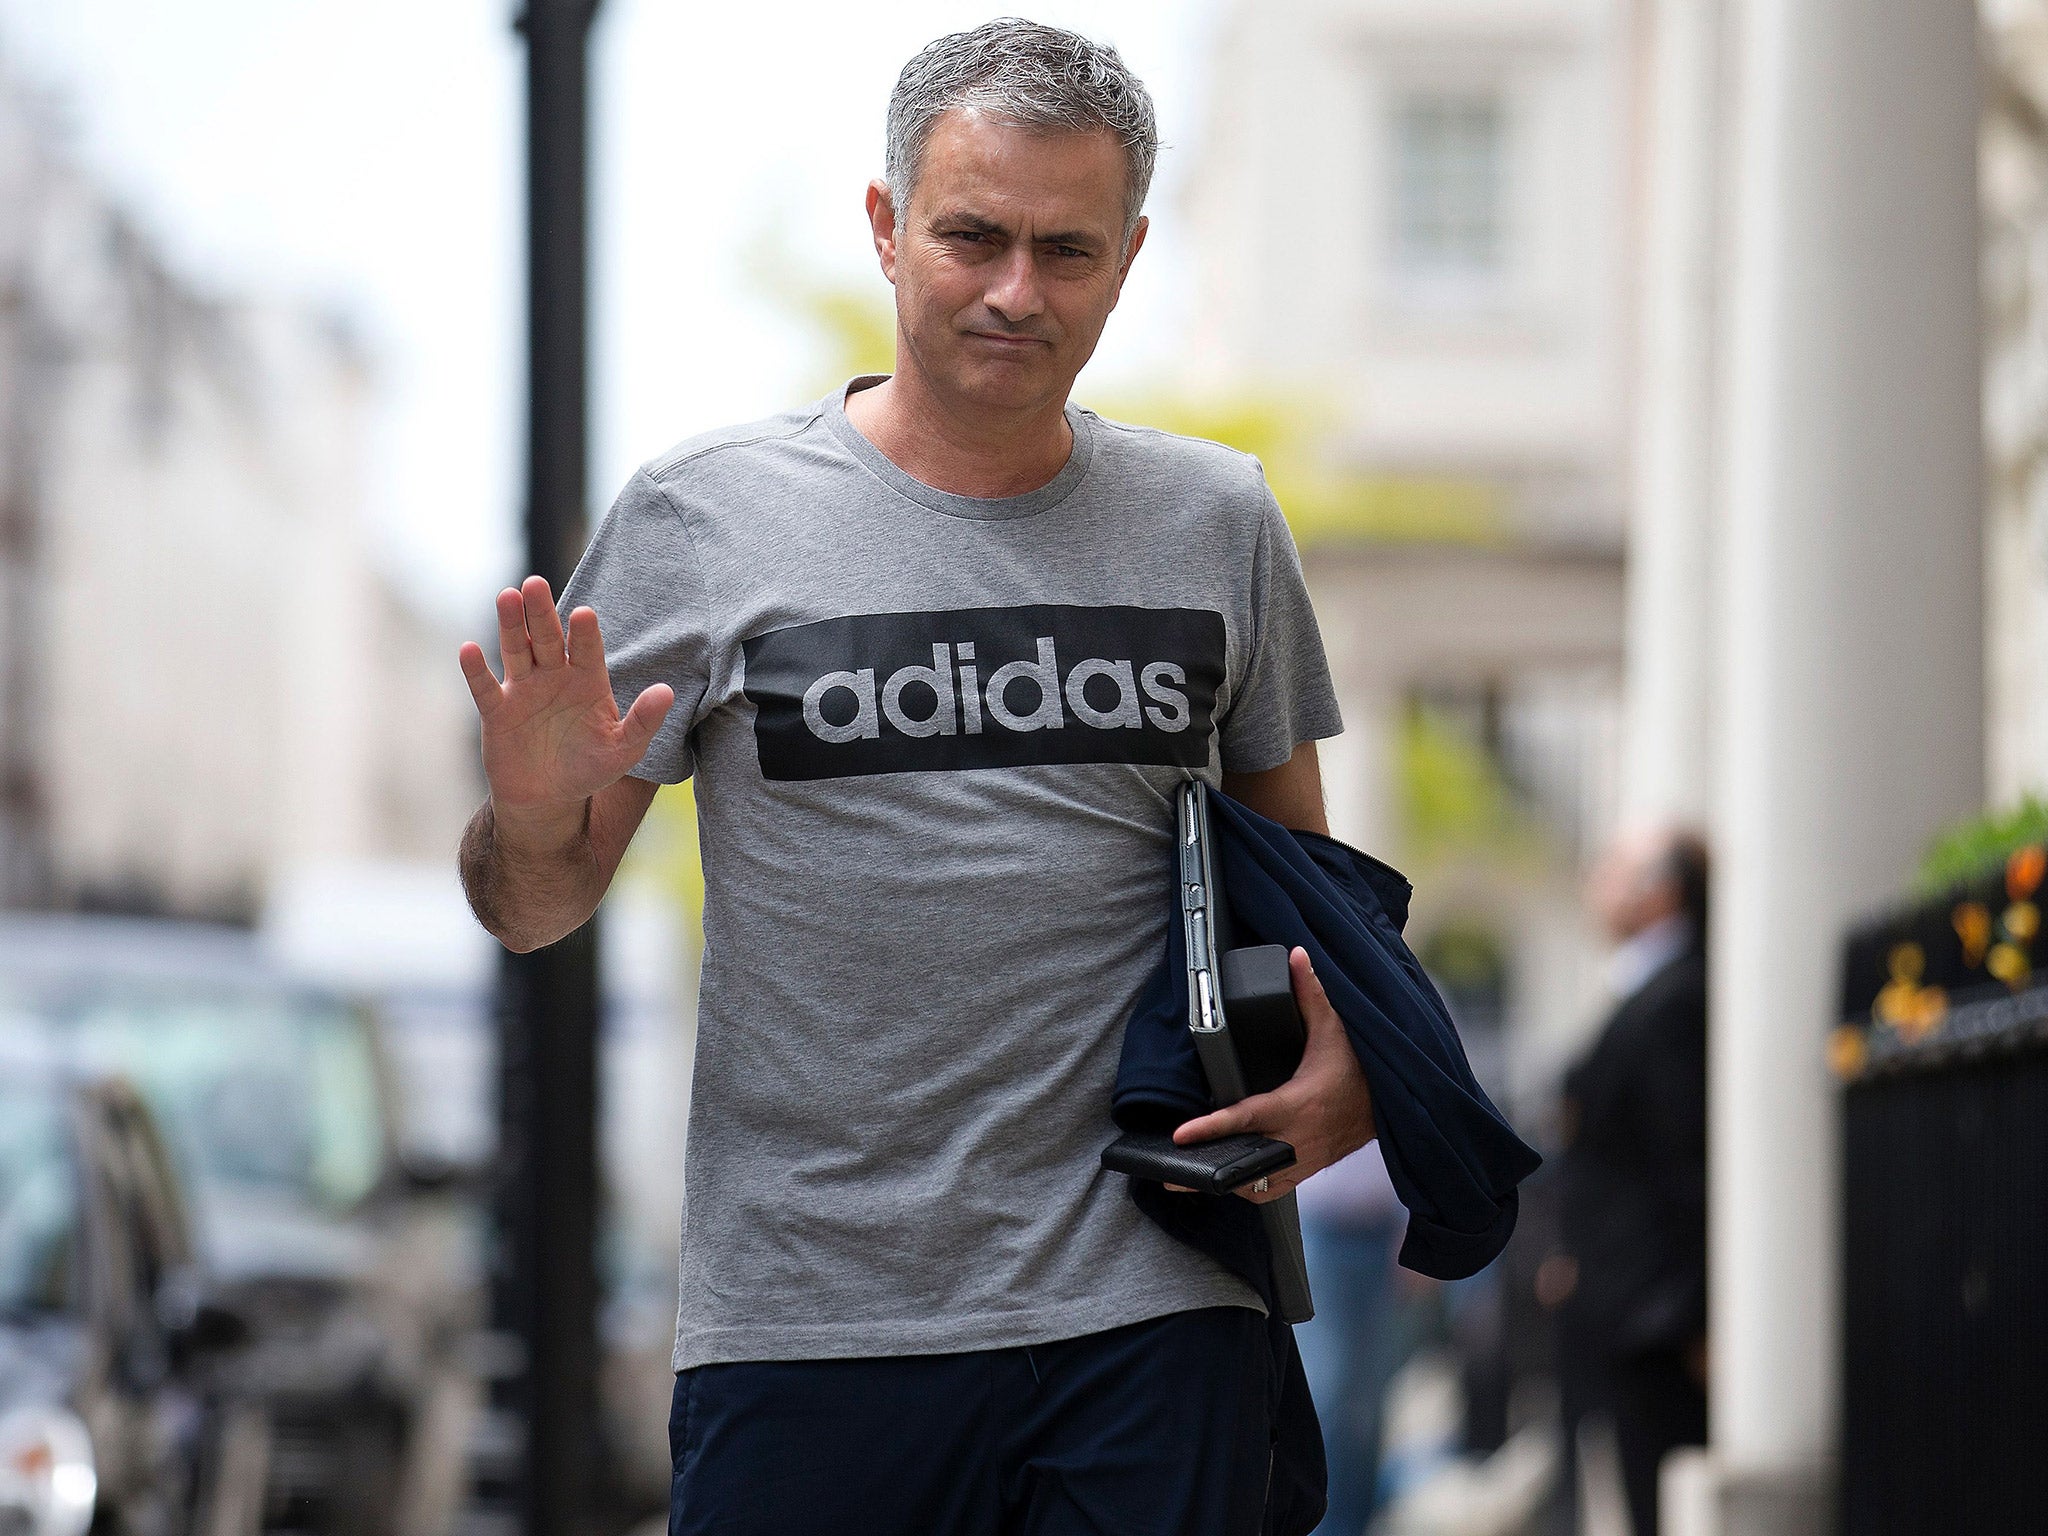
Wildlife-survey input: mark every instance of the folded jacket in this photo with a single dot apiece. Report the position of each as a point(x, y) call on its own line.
point(1453, 1159)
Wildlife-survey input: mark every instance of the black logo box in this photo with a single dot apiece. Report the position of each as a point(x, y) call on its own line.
point(985, 688)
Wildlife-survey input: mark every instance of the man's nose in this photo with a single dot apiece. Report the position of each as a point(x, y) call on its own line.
point(1014, 291)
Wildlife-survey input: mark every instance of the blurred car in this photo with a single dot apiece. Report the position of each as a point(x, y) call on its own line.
point(115, 1411)
point(360, 1277)
point(403, 936)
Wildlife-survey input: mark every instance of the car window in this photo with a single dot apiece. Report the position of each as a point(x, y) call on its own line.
point(38, 1199)
point(272, 1094)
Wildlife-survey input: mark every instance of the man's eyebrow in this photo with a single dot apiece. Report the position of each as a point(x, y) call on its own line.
point(973, 221)
point(982, 225)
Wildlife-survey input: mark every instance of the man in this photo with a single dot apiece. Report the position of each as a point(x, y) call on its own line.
point(938, 649)
point(1632, 1278)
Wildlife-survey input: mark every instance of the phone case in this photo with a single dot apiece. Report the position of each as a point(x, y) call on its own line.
point(1213, 1167)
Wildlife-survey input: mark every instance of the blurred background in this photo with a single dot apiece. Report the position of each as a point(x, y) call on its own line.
point(1655, 388)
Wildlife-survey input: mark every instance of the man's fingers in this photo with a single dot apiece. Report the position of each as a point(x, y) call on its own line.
point(586, 642)
point(1330, 1058)
point(483, 687)
point(1309, 995)
point(1245, 1115)
point(645, 717)
point(514, 649)
point(543, 624)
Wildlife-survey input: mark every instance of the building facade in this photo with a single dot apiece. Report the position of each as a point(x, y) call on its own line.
point(1419, 216)
point(205, 676)
point(1800, 378)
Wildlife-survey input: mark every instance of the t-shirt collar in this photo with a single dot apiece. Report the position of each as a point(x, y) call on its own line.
point(1047, 496)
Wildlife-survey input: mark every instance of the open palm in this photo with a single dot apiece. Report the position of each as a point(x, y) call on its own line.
point(553, 735)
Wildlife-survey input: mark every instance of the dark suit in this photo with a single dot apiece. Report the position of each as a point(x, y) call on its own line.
point(1634, 1216)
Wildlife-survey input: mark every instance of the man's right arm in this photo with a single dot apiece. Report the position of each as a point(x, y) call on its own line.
point(531, 883)
point(536, 859)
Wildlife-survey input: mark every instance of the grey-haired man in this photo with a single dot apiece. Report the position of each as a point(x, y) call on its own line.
point(938, 649)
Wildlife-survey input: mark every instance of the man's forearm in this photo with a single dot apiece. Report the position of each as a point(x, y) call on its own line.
point(530, 883)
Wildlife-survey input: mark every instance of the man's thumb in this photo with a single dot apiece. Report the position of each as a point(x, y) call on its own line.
point(645, 718)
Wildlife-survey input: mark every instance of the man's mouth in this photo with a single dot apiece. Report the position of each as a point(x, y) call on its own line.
point(1007, 341)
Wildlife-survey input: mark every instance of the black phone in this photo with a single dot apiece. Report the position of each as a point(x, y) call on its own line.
point(1211, 1167)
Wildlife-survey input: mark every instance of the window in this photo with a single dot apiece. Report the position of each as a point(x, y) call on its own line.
point(1449, 190)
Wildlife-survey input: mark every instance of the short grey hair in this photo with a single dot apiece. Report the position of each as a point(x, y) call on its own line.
point(1033, 76)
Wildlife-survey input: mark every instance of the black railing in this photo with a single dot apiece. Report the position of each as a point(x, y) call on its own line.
point(1945, 1222)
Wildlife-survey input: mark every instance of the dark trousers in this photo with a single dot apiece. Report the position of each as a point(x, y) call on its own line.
point(1657, 1407)
point(1159, 1427)
point(1653, 1405)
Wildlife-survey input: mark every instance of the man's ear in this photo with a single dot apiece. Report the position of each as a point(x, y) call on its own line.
point(882, 222)
point(1130, 255)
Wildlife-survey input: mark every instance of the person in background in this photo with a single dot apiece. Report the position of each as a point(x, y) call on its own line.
point(1630, 1281)
point(1351, 1226)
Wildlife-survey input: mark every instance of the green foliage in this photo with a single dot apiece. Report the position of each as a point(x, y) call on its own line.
point(665, 854)
point(1979, 846)
point(1324, 503)
point(1465, 955)
point(852, 323)
point(1454, 800)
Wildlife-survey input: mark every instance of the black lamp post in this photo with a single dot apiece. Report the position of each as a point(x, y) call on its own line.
point(546, 1268)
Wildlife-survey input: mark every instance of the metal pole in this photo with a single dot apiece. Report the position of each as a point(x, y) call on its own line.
point(548, 1001)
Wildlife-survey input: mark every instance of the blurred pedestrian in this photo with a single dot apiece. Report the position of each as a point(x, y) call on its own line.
point(939, 650)
point(1630, 1282)
point(1351, 1224)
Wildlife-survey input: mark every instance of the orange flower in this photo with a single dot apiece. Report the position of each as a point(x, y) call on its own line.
point(2023, 872)
point(1908, 963)
point(2021, 920)
point(1972, 923)
point(2009, 963)
point(1847, 1050)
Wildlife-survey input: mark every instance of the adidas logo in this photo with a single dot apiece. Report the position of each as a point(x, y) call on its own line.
point(951, 695)
point(985, 688)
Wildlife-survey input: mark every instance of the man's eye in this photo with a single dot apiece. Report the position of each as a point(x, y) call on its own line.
point(1068, 250)
point(972, 235)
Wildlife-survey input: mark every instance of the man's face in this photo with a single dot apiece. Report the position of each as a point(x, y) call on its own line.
point(1008, 260)
point(1631, 887)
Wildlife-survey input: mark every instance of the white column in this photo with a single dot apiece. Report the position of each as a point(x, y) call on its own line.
point(1666, 756)
point(1851, 721)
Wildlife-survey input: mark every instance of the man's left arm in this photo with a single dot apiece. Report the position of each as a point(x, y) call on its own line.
point(1291, 794)
point(1324, 1111)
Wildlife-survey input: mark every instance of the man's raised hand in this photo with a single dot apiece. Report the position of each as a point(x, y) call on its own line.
point(553, 735)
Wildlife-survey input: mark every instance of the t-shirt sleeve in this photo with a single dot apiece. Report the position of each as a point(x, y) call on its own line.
point(642, 577)
point(1285, 696)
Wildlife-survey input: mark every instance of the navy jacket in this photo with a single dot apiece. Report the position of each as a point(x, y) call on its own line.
point(1453, 1159)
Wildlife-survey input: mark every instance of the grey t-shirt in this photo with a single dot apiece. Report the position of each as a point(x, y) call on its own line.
point(936, 740)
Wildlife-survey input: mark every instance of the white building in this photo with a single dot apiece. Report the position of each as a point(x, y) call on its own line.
point(1421, 214)
point(1712, 276)
point(2015, 172)
point(204, 676)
